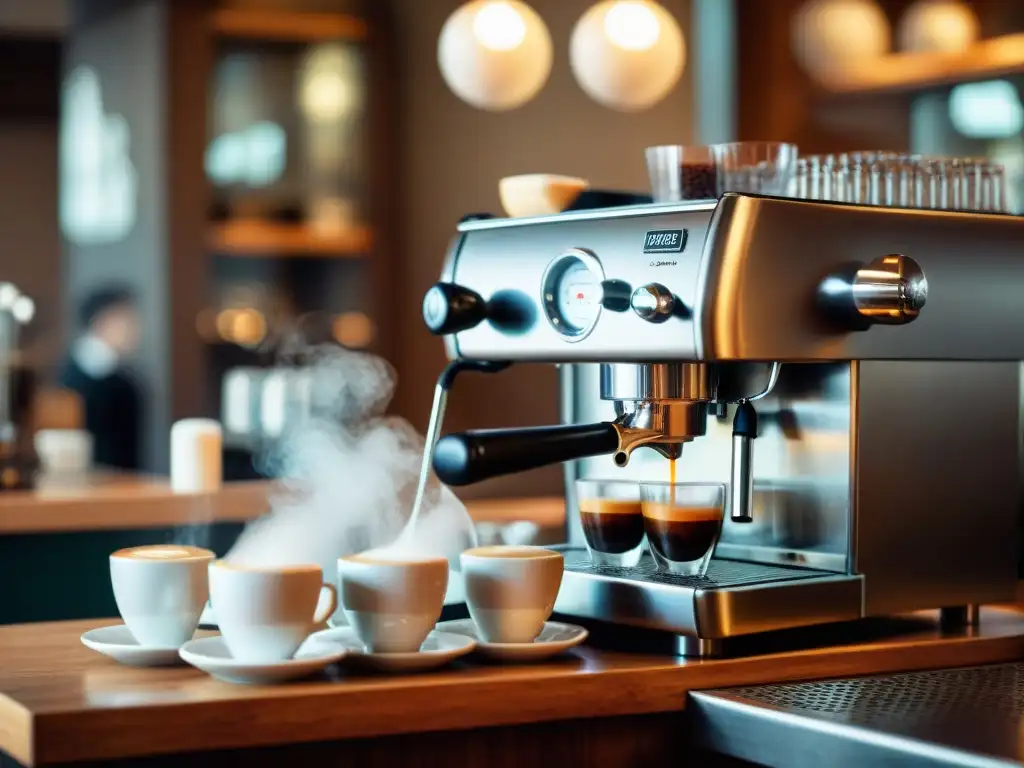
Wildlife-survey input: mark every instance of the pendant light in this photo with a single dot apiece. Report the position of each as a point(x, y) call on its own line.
point(627, 54)
point(831, 36)
point(495, 54)
point(949, 26)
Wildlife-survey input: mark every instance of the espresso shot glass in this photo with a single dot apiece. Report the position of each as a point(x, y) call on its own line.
point(613, 523)
point(683, 522)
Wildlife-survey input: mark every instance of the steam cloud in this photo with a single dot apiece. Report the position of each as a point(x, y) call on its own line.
point(349, 476)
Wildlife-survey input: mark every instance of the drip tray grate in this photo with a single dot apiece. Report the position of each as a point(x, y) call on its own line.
point(990, 691)
point(721, 573)
point(969, 716)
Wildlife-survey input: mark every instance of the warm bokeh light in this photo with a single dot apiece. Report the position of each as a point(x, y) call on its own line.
point(249, 328)
point(495, 54)
point(627, 54)
point(938, 25)
point(834, 36)
point(330, 84)
point(353, 330)
point(243, 326)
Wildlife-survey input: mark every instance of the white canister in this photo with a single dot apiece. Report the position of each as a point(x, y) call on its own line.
point(196, 456)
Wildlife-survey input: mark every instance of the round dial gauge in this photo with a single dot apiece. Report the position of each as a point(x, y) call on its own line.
point(572, 293)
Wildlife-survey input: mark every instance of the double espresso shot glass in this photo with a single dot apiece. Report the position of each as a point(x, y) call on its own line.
point(681, 521)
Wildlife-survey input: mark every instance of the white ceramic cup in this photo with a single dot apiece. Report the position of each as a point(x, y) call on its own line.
point(264, 614)
point(511, 590)
point(64, 450)
point(161, 591)
point(392, 603)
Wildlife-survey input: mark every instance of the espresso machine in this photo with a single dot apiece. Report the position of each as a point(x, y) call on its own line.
point(850, 371)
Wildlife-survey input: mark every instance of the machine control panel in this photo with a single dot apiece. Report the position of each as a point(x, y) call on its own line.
point(571, 280)
point(574, 292)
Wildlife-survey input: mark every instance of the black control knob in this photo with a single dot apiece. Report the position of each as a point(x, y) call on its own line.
point(450, 308)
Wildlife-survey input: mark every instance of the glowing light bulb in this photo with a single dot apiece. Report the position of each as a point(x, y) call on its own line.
point(627, 54)
point(495, 54)
point(632, 25)
point(499, 26)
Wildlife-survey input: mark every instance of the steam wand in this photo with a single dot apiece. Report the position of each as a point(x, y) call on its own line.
point(744, 430)
point(437, 410)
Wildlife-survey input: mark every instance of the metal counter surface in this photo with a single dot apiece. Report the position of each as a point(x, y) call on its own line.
point(970, 716)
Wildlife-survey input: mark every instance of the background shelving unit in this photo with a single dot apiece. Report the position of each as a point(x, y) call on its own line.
point(293, 136)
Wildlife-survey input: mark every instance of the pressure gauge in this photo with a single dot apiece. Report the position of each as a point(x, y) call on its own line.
point(572, 293)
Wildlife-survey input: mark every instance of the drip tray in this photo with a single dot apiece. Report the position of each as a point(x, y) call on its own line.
point(735, 598)
point(721, 573)
point(964, 717)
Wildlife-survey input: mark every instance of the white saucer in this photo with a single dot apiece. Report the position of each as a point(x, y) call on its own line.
point(211, 655)
point(120, 644)
point(437, 650)
point(554, 639)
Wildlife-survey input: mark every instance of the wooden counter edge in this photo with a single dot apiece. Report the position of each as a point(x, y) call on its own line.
point(156, 506)
point(336, 711)
point(150, 506)
point(17, 731)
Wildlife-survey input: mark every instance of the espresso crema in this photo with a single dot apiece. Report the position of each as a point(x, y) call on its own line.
point(681, 534)
point(612, 525)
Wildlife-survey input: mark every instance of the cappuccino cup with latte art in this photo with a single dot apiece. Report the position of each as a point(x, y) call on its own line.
point(161, 591)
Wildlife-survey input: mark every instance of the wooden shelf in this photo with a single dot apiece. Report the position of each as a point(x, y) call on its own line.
point(909, 72)
point(262, 238)
point(286, 26)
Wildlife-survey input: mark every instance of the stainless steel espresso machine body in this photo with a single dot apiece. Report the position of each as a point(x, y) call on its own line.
point(875, 467)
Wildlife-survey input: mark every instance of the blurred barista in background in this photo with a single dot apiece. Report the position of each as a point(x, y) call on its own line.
point(95, 369)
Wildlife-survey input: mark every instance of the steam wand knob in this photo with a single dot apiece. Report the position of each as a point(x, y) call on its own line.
point(744, 430)
point(450, 308)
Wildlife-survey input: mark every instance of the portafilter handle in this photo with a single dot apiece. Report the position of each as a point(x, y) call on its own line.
point(469, 457)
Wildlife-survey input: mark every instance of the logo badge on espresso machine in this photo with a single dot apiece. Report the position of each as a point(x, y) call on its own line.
point(665, 241)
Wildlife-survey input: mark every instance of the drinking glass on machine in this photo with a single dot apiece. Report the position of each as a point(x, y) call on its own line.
point(679, 173)
point(756, 167)
point(613, 523)
point(683, 522)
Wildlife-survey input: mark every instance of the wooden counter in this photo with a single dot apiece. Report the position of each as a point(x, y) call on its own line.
point(60, 702)
point(117, 502)
point(111, 501)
